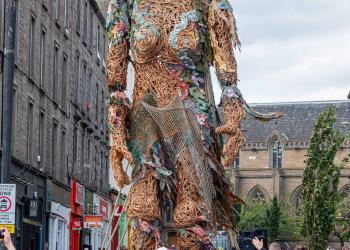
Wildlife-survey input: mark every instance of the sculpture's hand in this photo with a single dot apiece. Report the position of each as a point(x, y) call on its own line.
point(118, 112)
point(234, 106)
point(233, 113)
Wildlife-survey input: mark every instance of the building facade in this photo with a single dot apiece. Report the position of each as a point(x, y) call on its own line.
point(60, 140)
point(271, 161)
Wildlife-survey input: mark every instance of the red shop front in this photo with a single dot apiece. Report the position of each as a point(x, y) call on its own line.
point(115, 218)
point(76, 204)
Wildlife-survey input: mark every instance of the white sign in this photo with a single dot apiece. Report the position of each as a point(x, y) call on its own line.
point(60, 210)
point(8, 205)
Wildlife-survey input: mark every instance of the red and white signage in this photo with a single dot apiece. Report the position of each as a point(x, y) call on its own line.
point(8, 206)
point(103, 206)
point(79, 194)
point(77, 224)
point(93, 221)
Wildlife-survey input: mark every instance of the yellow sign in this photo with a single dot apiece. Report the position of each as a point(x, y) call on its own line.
point(11, 228)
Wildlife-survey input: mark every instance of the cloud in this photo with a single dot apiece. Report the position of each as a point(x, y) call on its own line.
point(293, 50)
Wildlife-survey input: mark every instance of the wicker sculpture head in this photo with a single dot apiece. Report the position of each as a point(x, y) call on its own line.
point(170, 132)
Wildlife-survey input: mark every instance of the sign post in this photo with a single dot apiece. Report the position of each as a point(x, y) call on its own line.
point(8, 206)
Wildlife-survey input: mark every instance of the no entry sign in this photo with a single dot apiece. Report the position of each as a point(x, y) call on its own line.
point(8, 206)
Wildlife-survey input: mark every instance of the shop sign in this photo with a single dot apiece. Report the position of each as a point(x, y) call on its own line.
point(60, 210)
point(8, 206)
point(103, 208)
point(118, 211)
point(93, 221)
point(79, 194)
point(77, 224)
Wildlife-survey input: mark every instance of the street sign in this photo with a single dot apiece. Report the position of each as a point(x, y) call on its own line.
point(8, 206)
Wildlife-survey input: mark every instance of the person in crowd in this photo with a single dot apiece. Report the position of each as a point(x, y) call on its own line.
point(259, 244)
point(6, 239)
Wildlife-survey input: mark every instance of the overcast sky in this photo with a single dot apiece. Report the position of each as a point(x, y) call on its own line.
point(295, 50)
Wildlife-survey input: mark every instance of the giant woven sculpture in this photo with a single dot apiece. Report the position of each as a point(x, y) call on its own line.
point(169, 133)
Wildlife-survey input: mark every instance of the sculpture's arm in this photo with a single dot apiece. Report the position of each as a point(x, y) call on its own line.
point(223, 37)
point(118, 28)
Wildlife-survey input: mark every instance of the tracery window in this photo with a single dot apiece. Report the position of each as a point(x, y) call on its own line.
point(346, 191)
point(258, 195)
point(277, 153)
point(297, 201)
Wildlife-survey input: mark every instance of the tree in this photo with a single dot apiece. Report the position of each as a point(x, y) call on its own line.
point(254, 215)
point(273, 219)
point(320, 181)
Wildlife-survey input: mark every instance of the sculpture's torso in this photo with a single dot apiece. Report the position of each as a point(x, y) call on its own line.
point(165, 36)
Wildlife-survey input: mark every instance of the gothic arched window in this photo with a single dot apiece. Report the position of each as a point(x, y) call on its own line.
point(258, 194)
point(277, 152)
point(297, 201)
point(346, 191)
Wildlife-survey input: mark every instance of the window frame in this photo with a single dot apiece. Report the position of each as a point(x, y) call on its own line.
point(55, 72)
point(276, 149)
point(42, 57)
point(54, 147)
point(63, 153)
point(65, 62)
point(41, 135)
point(30, 132)
point(31, 56)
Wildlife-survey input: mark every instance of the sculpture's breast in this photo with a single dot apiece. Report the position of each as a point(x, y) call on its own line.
point(165, 30)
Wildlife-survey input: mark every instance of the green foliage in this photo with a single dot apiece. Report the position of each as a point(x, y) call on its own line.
point(273, 218)
point(320, 181)
point(342, 230)
point(253, 215)
point(256, 215)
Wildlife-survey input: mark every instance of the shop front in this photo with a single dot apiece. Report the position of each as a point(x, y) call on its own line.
point(76, 216)
point(33, 229)
point(89, 209)
point(30, 211)
point(57, 215)
point(59, 227)
point(119, 217)
point(103, 209)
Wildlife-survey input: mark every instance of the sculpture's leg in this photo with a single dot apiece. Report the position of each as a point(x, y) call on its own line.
point(143, 209)
point(188, 212)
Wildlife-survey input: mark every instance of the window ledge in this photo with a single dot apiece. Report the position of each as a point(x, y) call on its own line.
point(45, 5)
point(66, 33)
point(58, 23)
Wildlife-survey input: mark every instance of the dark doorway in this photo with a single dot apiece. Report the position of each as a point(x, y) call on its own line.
point(31, 236)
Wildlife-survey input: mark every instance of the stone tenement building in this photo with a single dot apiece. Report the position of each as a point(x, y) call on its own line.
point(60, 140)
point(271, 161)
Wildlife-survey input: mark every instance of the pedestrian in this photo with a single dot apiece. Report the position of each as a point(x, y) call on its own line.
point(259, 244)
point(5, 239)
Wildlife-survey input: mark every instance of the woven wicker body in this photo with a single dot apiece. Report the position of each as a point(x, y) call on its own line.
point(168, 133)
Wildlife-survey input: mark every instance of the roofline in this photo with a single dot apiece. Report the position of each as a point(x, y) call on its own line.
point(300, 102)
point(99, 13)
